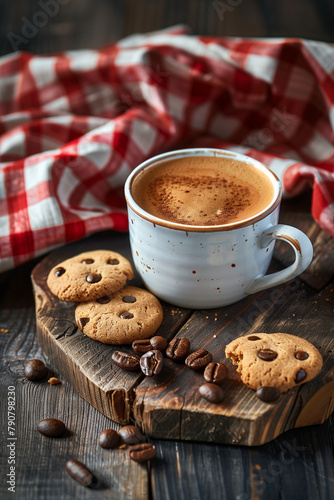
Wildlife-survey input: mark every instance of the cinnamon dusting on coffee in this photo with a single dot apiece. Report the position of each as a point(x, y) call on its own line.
point(203, 191)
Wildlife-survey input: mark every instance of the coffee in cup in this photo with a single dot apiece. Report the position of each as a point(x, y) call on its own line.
point(202, 191)
point(203, 225)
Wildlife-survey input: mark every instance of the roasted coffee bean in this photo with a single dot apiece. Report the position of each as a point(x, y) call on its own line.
point(81, 322)
point(141, 346)
point(300, 376)
point(51, 427)
point(158, 343)
point(78, 471)
point(113, 262)
point(130, 434)
point(212, 392)
point(109, 439)
point(301, 355)
point(35, 369)
point(178, 349)
point(198, 359)
point(151, 363)
point(129, 362)
point(129, 299)
point(268, 394)
point(59, 271)
point(126, 315)
point(215, 373)
point(103, 300)
point(267, 355)
point(93, 278)
point(87, 261)
point(142, 452)
point(253, 337)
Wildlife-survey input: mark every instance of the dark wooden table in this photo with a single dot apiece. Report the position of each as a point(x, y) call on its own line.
point(298, 464)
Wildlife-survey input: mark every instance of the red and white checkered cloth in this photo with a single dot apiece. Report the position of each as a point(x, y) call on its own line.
point(74, 125)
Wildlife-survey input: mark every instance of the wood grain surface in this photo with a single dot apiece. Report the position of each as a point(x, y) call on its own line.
point(87, 24)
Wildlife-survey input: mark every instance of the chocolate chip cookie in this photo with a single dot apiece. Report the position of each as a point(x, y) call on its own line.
point(274, 360)
point(127, 315)
point(89, 275)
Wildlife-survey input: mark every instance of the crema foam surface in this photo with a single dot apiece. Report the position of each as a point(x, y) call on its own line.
point(202, 190)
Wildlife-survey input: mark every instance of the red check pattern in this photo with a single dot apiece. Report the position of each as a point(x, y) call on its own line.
point(73, 125)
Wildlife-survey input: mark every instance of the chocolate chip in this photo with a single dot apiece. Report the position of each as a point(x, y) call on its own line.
point(126, 315)
point(93, 277)
point(87, 261)
point(300, 376)
point(301, 355)
point(253, 337)
point(81, 322)
point(267, 355)
point(59, 271)
point(113, 262)
point(109, 439)
point(268, 394)
point(129, 299)
point(103, 300)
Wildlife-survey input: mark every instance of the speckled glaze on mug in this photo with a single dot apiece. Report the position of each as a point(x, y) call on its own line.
point(203, 267)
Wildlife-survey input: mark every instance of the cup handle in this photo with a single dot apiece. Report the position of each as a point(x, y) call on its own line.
point(303, 256)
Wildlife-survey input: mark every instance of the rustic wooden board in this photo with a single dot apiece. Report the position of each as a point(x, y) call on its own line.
point(84, 362)
point(242, 418)
point(169, 406)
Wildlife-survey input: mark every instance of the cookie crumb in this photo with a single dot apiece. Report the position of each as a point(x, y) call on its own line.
point(53, 381)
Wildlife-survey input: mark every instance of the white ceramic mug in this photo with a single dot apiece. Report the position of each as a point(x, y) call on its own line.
point(202, 269)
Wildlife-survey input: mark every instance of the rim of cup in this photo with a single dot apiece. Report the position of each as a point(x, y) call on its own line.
point(203, 152)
